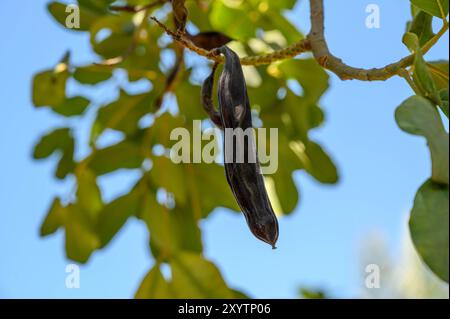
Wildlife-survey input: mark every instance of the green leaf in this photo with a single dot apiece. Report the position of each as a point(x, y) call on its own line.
point(49, 88)
point(440, 73)
point(61, 141)
point(422, 27)
point(423, 79)
point(232, 21)
point(411, 40)
point(92, 74)
point(164, 237)
point(429, 227)
point(66, 165)
point(185, 181)
point(118, 41)
point(81, 240)
point(72, 106)
point(54, 219)
point(444, 101)
point(184, 93)
point(98, 6)
point(198, 14)
point(285, 189)
point(171, 177)
point(154, 286)
point(124, 113)
point(239, 294)
point(281, 4)
point(273, 20)
point(115, 214)
point(312, 77)
point(220, 193)
point(58, 139)
point(89, 197)
point(307, 293)
point(171, 230)
point(437, 8)
point(124, 155)
point(418, 116)
point(319, 164)
point(58, 11)
point(197, 278)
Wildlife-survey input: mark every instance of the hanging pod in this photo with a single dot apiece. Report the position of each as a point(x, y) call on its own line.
point(240, 157)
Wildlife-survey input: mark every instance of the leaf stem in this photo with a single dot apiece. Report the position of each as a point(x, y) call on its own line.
point(434, 39)
point(405, 74)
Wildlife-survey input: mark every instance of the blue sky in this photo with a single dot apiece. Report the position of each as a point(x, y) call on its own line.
point(380, 168)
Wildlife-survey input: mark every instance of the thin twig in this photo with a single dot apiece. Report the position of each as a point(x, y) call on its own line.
point(314, 42)
point(286, 53)
point(405, 74)
point(435, 39)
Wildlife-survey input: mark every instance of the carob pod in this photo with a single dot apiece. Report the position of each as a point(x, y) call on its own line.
point(209, 40)
point(244, 178)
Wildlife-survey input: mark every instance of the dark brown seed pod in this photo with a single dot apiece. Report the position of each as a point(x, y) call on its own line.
point(244, 177)
point(207, 89)
point(209, 40)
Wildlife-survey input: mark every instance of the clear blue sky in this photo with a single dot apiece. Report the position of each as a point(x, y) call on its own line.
point(380, 167)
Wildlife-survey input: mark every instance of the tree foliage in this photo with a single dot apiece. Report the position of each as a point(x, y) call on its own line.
point(419, 115)
point(285, 94)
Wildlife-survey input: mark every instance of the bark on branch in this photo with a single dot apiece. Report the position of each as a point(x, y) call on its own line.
point(316, 43)
point(327, 60)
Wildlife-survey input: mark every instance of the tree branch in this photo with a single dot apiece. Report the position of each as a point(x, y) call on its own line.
point(286, 53)
point(316, 43)
point(323, 55)
point(326, 59)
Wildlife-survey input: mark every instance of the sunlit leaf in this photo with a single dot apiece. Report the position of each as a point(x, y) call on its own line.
point(115, 214)
point(54, 218)
point(60, 141)
point(81, 240)
point(429, 227)
point(419, 116)
point(154, 286)
point(232, 21)
point(122, 155)
point(424, 80)
point(312, 78)
point(422, 27)
point(195, 277)
point(124, 113)
point(444, 101)
point(88, 193)
point(49, 88)
point(438, 8)
point(112, 35)
point(92, 74)
point(72, 106)
point(440, 73)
